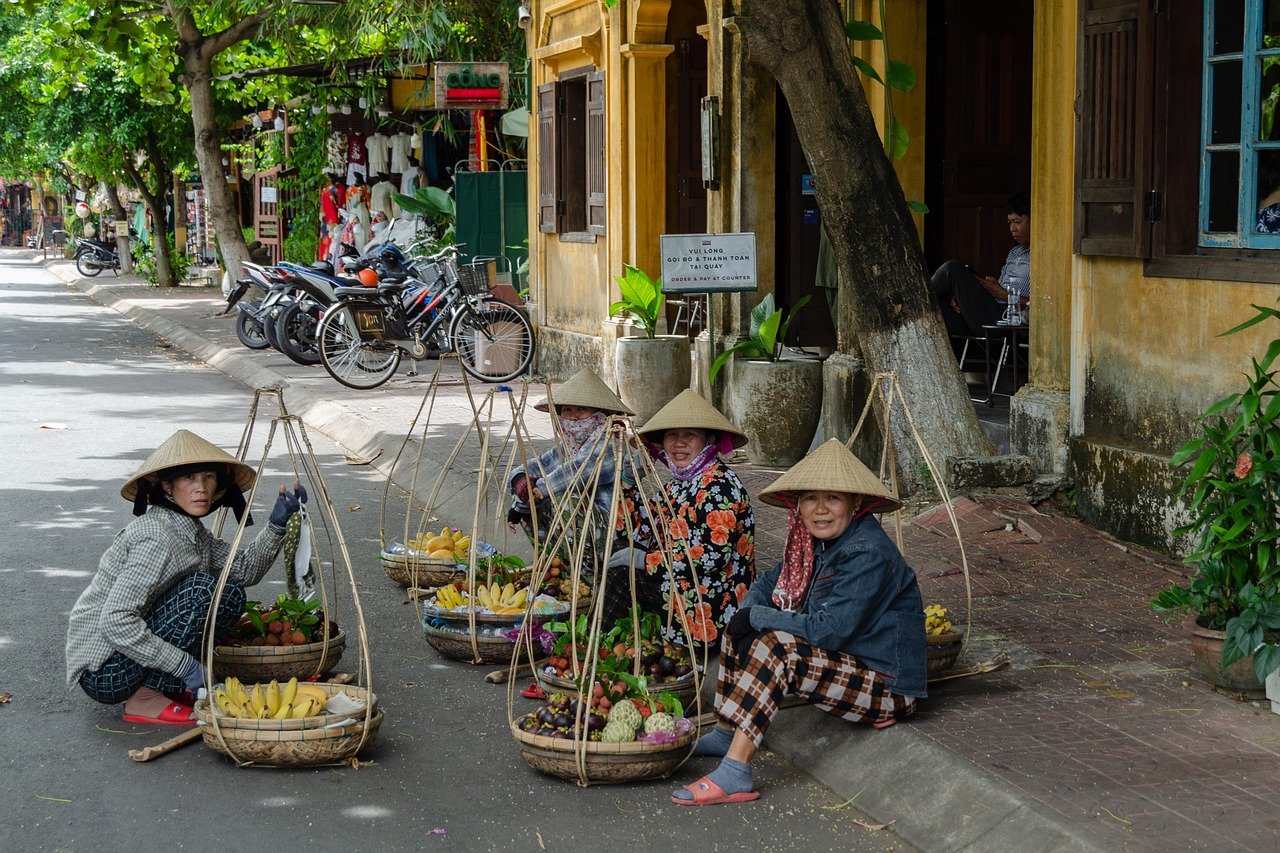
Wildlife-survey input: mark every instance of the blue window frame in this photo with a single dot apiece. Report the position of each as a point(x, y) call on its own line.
point(1240, 137)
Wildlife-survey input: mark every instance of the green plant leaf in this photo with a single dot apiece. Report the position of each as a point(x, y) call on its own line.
point(863, 31)
point(1263, 313)
point(768, 339)
point(759, 314)
point(898, 140)
point(867, 69)
point(791, 315)
point(918, 207)
point(1266, 660)
point(900, 75)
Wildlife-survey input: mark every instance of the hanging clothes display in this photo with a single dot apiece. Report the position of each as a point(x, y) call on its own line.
point(399, 153)
point(377, 149)
point(410, 177)
point(380, 198)
point(336, 150)
point(332, 199)
point(357, 162)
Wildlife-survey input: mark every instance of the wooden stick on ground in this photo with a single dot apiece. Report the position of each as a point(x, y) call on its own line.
point(500, 676)
point(146, 754)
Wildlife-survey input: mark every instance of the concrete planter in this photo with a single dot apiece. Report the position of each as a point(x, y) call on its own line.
point(650, 372)
point(777, 404)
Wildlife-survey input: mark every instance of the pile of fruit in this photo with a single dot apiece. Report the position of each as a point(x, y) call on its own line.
point(610, 717)
point(287, 622)
point(936, 623)
point(445, 545)
point(557, 582)
point(495, 597)
point(292, 701)
point(660, 662)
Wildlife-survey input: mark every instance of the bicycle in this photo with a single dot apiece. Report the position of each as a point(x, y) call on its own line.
point(365, 333)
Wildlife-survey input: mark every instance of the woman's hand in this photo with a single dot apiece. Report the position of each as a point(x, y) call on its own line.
point(537, 494)
point(287, 503)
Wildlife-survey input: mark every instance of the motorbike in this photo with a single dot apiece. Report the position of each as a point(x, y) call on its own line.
point(93, 256)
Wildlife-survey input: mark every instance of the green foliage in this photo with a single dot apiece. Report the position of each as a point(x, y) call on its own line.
point(768, 332)
point(301, 244)
point(308, 157)
point(899, 76)
point(432, 202)
point(1234, 469)
point(642, 299)
point(144, 261)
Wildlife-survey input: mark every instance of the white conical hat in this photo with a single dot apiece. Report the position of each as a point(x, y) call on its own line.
point(584, 388)
point(689, 410)
point(830, 468)
point(187, 448)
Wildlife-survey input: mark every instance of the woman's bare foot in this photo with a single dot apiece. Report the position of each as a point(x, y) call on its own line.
point(146, 702)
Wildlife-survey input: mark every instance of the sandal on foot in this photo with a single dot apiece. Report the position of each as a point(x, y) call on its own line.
point(708, 793)
point(884, 723)
point(173, 715)
point(533, 691)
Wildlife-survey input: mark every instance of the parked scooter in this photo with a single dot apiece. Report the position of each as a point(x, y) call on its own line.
point(94, 256)
point(250, 328)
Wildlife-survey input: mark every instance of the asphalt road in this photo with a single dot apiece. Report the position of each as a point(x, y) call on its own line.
point(85, 397)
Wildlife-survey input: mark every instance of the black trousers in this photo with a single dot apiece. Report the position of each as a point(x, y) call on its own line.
point(978, 308)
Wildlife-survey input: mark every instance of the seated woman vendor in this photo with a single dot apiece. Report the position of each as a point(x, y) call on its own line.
point(580, 410)
point(839, 622)
point(135, 633)
point(710, 537)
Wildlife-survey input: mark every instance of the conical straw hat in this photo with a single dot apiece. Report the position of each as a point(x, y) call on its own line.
point(584, 388)
point(688, 410)
point(187, 448)
point(830, 468)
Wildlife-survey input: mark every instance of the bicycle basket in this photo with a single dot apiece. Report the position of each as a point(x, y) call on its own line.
point(474, 279)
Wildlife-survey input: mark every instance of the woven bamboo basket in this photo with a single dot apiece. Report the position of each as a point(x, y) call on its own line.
point(419, 571)
point(682, 687)
point(292, 743)
point(489, 620)
point(263, 663)
point(607, 763)
point(454, 645)
point(943, 651)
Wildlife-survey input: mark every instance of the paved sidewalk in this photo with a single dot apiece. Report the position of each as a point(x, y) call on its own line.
point(1098, 737)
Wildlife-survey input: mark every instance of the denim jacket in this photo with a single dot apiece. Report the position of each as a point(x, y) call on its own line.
point(863, 600)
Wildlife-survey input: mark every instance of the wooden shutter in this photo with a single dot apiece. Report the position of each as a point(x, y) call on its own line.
point(596, 175)
point(1114, 110)
point(548, 187)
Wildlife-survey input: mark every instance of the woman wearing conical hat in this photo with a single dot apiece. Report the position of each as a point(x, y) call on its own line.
point(839, 622)
point(580, 410)
point(711, 536)
point(135, 633)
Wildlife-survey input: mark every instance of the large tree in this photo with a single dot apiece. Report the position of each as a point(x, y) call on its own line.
point(892, 317)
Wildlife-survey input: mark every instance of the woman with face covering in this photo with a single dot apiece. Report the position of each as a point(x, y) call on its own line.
point(135, 633)
point(580, 412)
point(710, 539)
point(839, 622)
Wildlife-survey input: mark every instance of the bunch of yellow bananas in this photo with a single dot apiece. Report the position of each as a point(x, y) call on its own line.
point(502, 599)
point(447, 544)
point(293, 700)
point(936, 622)
point(448, 597)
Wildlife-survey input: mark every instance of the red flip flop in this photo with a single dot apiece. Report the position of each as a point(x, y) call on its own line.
point(708, 793)
point(533, 691)
point(176, 714)
point(883, 723)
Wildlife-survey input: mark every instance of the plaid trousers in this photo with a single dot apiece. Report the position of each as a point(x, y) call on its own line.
point(177, 617)
point(779, 663)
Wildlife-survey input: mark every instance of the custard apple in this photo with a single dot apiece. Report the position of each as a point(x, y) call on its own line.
point(626, 712)
point(617, 732)
point(660, 723)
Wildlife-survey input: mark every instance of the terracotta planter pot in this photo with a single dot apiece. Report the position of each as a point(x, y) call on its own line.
point(650, 372)
point(777, 404)
point(1206, 646)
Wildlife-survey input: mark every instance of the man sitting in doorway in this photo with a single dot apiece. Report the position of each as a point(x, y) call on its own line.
point(969, 302)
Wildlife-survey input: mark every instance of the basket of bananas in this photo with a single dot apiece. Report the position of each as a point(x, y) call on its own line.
point(944, 642)
point(479, 634)
point(428, 559)
point(294, 724)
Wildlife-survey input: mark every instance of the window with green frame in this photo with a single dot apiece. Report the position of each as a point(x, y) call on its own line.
point(1240, 137)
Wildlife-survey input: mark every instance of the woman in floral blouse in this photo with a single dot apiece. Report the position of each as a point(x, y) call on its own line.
point(709, 533)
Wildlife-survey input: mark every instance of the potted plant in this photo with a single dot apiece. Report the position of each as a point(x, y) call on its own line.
point(773, 399)
point(1233, 597)
point(650, 369)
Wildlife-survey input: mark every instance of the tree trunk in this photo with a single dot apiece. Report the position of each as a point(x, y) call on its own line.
point(154, 200)
point(802, 43)
point(222, 210)
point(122, 243)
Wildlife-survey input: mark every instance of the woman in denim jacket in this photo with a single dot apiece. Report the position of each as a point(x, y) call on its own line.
point(839, 622)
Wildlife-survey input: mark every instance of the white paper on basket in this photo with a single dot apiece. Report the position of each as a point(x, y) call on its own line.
point(341, 703)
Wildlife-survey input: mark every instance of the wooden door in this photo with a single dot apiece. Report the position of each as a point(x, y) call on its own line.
point(978, 133)
point(691, 83)
point(799, 227)
point(267, 221)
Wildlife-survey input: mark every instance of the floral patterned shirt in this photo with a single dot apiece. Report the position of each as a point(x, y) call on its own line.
point(711, 536)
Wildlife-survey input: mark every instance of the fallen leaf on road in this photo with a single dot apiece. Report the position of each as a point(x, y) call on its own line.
point(6, 698)
point(360, 460)
point(845, 803)
point(541, 845)
point(52, 799)
point(874, 827)
point(52, 425)
point(353, 508)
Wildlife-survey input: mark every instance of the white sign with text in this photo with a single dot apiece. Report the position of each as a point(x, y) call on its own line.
point(708, 263)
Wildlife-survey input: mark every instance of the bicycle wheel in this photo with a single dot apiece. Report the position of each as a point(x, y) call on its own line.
point(296, 332)
point(87, 266)
point(354, 362)
point(250, 332)
point(493, 339)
